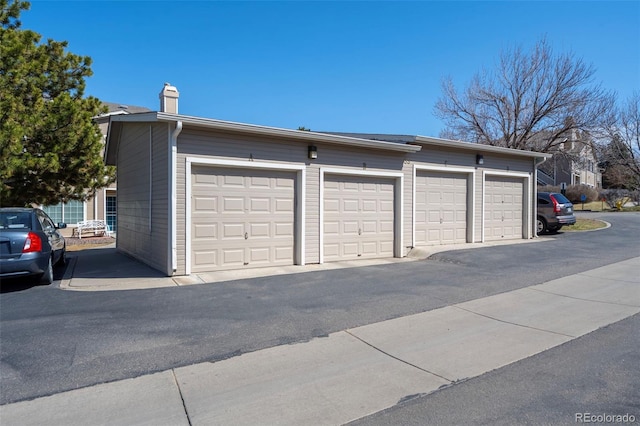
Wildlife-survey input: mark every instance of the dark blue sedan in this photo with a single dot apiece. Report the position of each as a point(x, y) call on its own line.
point(30, 244)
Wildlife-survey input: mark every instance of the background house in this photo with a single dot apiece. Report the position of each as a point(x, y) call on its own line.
point(104, 205)
point(573, 163)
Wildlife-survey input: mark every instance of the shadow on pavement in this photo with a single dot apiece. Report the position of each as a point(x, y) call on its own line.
point(109, 263)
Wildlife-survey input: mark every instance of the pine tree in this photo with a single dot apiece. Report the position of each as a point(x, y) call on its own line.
point(50, 147)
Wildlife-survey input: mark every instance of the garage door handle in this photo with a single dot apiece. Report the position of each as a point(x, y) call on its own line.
point(359, 231)
point(246, 236)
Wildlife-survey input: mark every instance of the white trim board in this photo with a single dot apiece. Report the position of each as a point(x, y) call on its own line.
point(471, 196)
point(527, 202)
point(398, 203)
point(300, 213)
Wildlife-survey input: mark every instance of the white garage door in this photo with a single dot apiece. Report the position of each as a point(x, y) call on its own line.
point(358, 217)
point(441, 208)
point(503, 208)
point(241, 218)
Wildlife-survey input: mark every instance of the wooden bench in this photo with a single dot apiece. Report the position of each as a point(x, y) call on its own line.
point(94, 228)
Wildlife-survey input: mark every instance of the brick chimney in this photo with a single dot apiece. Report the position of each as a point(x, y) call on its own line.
point(169, 99)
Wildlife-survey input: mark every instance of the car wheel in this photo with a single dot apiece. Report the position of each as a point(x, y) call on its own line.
point(63, 257)
point(47, 276)
point(541, 226)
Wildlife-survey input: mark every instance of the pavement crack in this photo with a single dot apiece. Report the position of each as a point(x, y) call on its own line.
point(184, 405)
point(396, 358)
point(513, 323)
point(582, 298)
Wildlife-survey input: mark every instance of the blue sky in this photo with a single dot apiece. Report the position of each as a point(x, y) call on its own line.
point(360, 66)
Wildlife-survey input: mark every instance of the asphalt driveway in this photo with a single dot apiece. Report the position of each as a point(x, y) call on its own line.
point(54, 340)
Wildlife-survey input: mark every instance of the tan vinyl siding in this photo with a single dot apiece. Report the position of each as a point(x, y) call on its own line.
point(196, 143)
point(142, 203)
point(449, 157)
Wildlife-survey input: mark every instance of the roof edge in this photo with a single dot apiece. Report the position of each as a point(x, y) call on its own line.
point(264, 130)
point(428, 140)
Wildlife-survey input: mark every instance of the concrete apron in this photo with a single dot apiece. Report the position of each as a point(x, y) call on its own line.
point(357, 372)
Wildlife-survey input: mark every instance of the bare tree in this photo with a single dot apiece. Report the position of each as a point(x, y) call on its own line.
point(531, 101)
point(621, 152)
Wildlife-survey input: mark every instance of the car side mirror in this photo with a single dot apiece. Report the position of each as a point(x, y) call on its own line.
point(61, 225)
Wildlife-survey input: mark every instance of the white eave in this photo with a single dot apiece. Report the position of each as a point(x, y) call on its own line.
point(228, 126)
point(479, 148)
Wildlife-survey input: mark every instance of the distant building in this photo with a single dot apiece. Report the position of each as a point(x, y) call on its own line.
point(573, 163)
point(104, 205)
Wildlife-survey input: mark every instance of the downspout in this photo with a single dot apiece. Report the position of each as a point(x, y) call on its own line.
point(173, 207)
point(537, 161)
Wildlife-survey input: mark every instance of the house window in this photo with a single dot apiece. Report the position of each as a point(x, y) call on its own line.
point(70, 212)
point(111, 209)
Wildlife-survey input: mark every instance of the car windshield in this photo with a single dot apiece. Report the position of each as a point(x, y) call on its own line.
point(561, 199)
point(15, 220)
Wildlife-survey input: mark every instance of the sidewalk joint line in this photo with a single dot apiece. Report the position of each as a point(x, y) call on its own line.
point(184, 405)
point(396, 358)
point(513, 323)
point(581, 298)
point(586, 274)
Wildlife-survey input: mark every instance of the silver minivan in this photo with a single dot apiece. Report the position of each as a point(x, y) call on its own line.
point(554, 212)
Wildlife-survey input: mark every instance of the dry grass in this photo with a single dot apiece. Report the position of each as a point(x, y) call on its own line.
point(585, 225)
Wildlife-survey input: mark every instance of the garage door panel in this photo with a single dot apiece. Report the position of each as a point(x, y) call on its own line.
point(503, 208)
point(233, 230)
point(441, 208)
point(350, 227)
point(206, 203)
point(349, 250)
point(350, 206)
point(259, 230)
point(232, 204)
point(332, 250)
point(386, 226)
point(370, 248)
point(370, 227)
point(205, 257)
point(284, 205)
point(332, 227)
point(386, 206)
point(434, 216)
point(262, 205)
point(241, 218)
point(284, 229)
point(206, 231)
point(369, 206)
point(232, 257)
point(365, 217)
point(230, 181)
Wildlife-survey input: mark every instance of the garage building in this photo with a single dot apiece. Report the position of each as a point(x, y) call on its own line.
point(204, 195)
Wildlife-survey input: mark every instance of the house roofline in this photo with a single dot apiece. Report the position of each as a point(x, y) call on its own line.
point(428, 140)
point(229, 126)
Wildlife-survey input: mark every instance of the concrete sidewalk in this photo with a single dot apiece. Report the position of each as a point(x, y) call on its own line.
point(353, 373)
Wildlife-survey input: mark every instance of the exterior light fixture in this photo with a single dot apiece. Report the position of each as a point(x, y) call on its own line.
point(313, 152)
point(479, 159)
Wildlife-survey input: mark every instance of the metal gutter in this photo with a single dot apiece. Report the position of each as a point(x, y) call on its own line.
point(229, 126)
point(427, 140)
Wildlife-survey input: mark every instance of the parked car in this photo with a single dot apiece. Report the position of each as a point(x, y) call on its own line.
point(30, 244)
point(554, 212)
